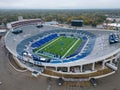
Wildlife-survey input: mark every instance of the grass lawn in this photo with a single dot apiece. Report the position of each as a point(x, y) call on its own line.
point(62, 46)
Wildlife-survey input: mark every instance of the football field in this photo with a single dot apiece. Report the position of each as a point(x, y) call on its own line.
point(61, 46)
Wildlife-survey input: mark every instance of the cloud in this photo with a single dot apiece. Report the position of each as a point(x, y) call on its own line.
point(57, 4)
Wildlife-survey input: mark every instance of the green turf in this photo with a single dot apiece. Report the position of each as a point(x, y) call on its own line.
point(74, 48)
point(60, 46)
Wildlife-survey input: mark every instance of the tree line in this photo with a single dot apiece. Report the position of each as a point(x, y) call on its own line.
point(90, 17)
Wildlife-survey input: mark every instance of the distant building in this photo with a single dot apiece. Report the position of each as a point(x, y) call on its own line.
point(113, 26)
point(20, 18)
point(52, 23)
point(116, 19)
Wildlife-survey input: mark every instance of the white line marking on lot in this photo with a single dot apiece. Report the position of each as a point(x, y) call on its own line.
point(49, 86)
point(70, 48)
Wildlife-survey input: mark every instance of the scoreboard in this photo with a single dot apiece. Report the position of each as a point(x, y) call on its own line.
point(77, 23)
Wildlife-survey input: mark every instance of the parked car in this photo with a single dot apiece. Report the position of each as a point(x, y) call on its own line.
point(93, 82)
point(17, 31)
point(60, 81)
point(0, 83)
point(39, 26)
point(35, 73)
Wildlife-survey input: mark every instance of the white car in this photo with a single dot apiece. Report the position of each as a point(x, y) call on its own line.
point(35, 73)
point(0, 83)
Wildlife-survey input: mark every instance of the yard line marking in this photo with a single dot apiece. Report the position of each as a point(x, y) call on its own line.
point(47, 45)
point(70, 48)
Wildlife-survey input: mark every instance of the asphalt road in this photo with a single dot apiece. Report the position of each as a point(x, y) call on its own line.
point(14, 80)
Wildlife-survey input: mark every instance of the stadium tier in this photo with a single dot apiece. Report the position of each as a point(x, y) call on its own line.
point(62, 52)
point(43, 41)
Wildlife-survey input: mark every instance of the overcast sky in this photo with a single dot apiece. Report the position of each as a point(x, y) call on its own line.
point(59, 4)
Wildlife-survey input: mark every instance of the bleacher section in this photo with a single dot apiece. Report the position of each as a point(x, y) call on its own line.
point(43, 41)
point(25, 22)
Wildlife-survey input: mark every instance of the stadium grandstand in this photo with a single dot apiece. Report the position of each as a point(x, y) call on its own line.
point(63, 52)
point(23, 22)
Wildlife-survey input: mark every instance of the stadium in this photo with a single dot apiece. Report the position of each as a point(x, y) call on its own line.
point(65, 53)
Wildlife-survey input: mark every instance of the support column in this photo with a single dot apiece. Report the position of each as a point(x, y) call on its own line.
point(81, 68)
point(111, 61)
point(56, 68)
point(44, 67)
point(116, 59)
point(68, 69)
point(93, 66)
point(103, 64)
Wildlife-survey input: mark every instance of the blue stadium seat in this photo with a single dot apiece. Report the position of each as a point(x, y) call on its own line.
point(43, 41)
